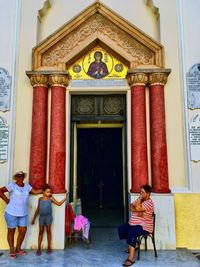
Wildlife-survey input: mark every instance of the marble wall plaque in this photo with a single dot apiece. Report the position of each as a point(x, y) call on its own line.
point(195, 137)
point(3, 140)
point(5, 89)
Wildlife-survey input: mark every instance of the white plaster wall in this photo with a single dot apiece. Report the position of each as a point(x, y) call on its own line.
point(136, 12)
point(165, 236)
point(58, 226)
point(9, 32)
point(27, 40)
point(190, 55)
point(173, 94)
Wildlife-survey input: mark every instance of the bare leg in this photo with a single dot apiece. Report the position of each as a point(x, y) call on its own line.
point(48, 228)
point(40, 237)
point(20, 239)
point(131, 256)
point(131, 253)
point(10, 238)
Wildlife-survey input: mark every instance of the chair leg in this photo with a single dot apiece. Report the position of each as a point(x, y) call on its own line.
point(138, 242)
point(145, 243)
point(154, 246)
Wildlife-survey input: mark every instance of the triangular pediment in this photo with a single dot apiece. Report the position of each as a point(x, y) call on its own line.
point(97, 25)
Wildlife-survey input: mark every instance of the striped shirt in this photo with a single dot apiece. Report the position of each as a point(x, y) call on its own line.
point(143, 218)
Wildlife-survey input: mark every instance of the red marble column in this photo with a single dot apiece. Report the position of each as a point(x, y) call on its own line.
point(57, 156)
point(38, 150)
point(139, 162)
point(159, 164)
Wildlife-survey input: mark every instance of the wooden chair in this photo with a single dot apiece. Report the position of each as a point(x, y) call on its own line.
point(151, 235)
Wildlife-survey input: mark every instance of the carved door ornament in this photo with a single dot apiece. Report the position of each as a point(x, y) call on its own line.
point(98, 107)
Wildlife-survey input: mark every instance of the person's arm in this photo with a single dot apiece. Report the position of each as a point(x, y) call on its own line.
point(58, 203)
point(36, 191)
point(3, 190)
point(132, 207)
point(139, 206)
point(36, 212)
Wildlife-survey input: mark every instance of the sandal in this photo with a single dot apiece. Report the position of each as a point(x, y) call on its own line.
point(128, 262)
point(38, 253)
point(21, 253)
point(13, 256)
point(49, 251)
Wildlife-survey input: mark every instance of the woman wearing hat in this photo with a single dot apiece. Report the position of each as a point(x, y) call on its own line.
point(16, 210)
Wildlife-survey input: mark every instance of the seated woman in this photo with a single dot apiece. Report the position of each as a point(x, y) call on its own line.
point(140, 222)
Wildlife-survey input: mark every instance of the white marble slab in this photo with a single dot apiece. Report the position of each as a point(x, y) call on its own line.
point(58, 225)
point(165, 234)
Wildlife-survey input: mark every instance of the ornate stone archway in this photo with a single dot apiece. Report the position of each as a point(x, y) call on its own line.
point(98, 25)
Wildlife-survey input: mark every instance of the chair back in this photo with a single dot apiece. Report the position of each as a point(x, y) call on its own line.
point(154, 222)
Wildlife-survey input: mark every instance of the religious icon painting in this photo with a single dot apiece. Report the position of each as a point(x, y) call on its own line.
point(98, 64)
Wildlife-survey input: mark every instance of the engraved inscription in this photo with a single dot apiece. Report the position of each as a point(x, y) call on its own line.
point(195, 137)
point(3, 140)
point(5, 88)
point(193, 87)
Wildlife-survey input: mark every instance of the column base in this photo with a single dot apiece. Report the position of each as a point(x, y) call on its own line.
point(62, 191)
point(57, 230)
point(161, 191)
point(136, 191)
point(165, 234)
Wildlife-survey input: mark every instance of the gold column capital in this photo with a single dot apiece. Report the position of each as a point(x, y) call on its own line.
point(39, 80)
point(137, 79)
point(158, 78)
point(59, 80)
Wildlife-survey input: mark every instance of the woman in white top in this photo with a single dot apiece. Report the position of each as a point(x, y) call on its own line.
point(16, 210)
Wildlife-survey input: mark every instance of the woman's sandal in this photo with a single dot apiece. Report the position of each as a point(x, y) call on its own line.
point(128, 262)
point(38, 253)
point(13, 256)
point(49, 251)
point(21, 253)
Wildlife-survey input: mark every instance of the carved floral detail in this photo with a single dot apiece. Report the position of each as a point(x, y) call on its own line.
point(98, 24)
point(85, 105)
point(112, 105)
point(158, 78)
point(59, 79)
point(137, 79)
point(39, 80)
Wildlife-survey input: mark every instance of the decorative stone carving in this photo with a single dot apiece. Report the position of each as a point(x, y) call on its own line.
point(112, 105)
point(98, 25)
point(85, 105)
point(5, 88)
point(39, 80)
point(158, 78)
point(137, 79)
point(3, 140)
point(59, 80)
point(98, 106)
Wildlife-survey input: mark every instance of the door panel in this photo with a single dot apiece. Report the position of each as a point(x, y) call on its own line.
point(100, 170)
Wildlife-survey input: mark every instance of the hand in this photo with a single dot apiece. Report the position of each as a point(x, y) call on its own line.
point(33, 222)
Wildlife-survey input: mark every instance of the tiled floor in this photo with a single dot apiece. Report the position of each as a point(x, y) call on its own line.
point(101, 254)
point(105, 250)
